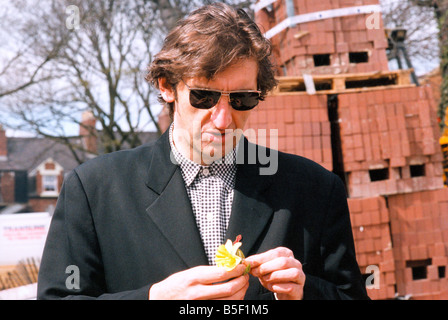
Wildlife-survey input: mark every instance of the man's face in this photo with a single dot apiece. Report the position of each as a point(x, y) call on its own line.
point(207, 135)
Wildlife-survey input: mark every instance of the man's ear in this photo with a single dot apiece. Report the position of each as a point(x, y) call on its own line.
point(166, 90)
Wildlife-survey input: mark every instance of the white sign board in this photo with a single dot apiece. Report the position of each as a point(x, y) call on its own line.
point(22, 236)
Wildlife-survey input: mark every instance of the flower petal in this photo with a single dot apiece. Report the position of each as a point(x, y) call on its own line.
point(225, 259)
point(229, 254)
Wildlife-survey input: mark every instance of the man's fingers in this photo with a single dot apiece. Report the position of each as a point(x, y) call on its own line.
point(202, 282)
point(276, 264)
point(279, 272)
point(258, 259)
point(213, 274)
point(234, 289)
point(286, 275)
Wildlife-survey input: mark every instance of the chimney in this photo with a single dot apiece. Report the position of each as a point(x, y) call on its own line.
point(87, 132)
point(3, 145)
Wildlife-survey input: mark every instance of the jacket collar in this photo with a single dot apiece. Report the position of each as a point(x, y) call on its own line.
point(162, 165)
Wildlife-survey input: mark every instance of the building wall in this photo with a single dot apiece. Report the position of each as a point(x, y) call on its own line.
point(7, 186)
point(38, 204)
point(3, 145)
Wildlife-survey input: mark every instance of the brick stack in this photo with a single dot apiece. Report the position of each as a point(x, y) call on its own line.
point(384, 139)
point(326, 46)
point(298, 124)
point(370, 223)
point(407, 238)
point(419, 227)
point(390, 141)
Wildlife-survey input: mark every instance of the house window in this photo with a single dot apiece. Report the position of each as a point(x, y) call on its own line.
point(49, 183)
point(48, 177)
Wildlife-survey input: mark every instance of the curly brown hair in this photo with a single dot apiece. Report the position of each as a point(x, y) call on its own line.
point(207, 42)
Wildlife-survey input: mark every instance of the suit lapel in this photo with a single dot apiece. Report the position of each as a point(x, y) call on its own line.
point(171, 210)
point(251, 211)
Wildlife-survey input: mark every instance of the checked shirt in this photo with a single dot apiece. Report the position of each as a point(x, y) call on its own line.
point(210, 189)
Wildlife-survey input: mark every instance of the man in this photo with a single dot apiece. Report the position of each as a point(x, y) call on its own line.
point(146, 223)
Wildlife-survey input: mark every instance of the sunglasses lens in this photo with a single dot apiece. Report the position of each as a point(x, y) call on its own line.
point(204, 99)
point(244, 100)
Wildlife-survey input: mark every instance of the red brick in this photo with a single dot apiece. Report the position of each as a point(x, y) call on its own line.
point(307, 143)
point(298, 142)
point(356, 126)
point(419, 252)
point(439, 261)
point(288, 115)
point(355, 205)
point(326, 128)
point(342, 47)
point(385, 145)
point(371, 204)
point(262, 116)
point(272, 115)
point(307, 129)
point(298, 129)
point(387, 266)
point(359, 154)
point(380, 44)
point(326, 142)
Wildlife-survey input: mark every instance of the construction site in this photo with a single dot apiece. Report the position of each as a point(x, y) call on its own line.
point(339, 104)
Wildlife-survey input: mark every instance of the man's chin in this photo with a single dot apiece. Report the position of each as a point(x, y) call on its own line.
point(214, 152)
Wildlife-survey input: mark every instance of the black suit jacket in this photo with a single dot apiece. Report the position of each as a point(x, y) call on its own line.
point(124, 220)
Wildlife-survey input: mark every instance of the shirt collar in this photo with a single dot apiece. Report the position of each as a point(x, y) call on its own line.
point(224, 168)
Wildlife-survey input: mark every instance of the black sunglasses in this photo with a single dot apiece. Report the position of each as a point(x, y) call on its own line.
point(240, 100)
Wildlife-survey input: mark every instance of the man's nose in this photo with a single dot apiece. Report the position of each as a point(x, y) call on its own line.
point(222, 113)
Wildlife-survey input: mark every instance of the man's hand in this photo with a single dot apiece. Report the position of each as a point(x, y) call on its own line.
point(279, 272)
point(202, 283)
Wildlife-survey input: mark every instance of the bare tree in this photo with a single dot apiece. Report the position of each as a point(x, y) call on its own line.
point(441, 11)
point(69, 56)
point(92, 59)
point(427, 25)
point(16, 52)
point(420, 24)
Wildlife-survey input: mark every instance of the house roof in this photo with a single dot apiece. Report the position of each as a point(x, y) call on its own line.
point(28, 153)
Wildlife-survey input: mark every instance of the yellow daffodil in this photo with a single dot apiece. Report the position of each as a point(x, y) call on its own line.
point(229, 255)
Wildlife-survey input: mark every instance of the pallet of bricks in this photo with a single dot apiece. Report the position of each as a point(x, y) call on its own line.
point(391, 155)
point(372, 127)
point(385, 158)
point(295, 124)
point(341, 44)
